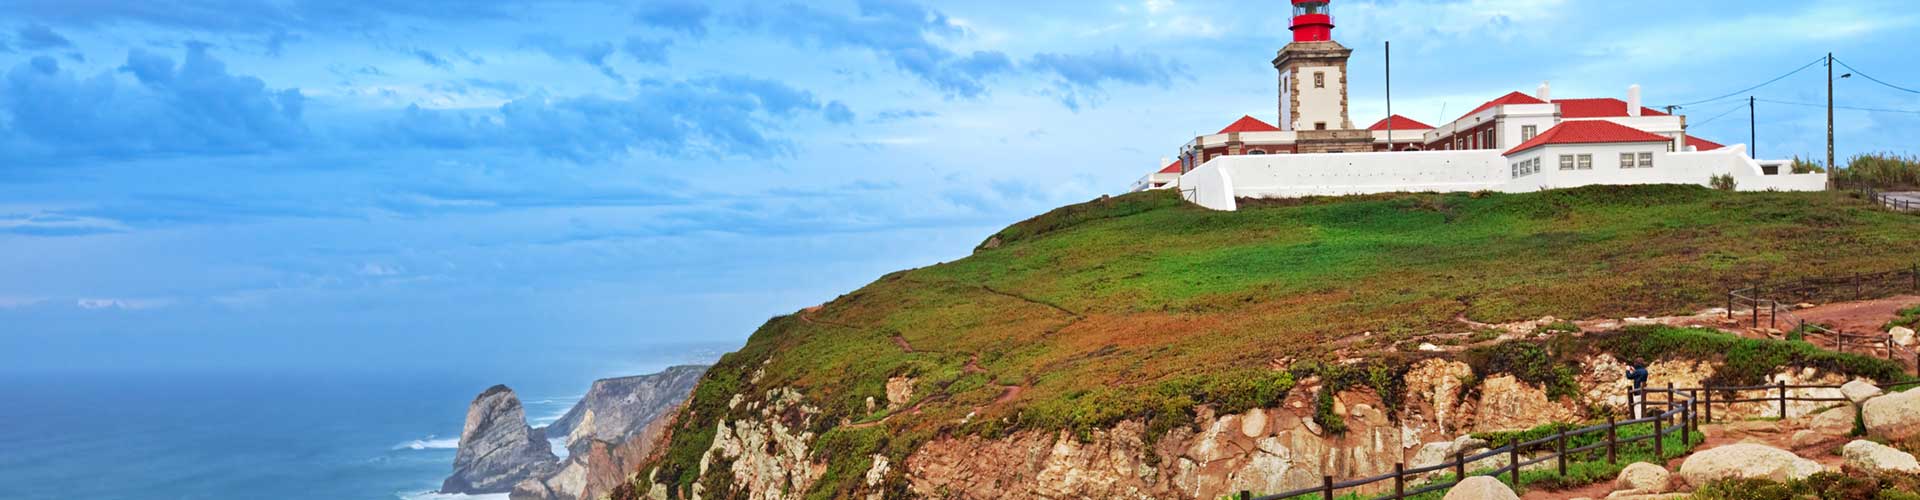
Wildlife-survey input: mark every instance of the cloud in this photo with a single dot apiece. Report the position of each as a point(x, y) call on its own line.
point(193, 107)
point(122, 304)
point(647, 50)
point(895, 115)
point(837, 112)
point(707, 117)
point(594, 54)
point(40, 37)
point(902, 32)
point(677, 15)
point(1081, 78)
point(432, 59)
point(58, 224)
point(254, 16)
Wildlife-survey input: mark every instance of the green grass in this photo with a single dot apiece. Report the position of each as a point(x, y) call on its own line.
point(1142, 307)
point(1909, 317)
point(1852, 485)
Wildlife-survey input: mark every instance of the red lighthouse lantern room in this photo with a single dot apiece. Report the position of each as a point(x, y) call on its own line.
point(1312, 22)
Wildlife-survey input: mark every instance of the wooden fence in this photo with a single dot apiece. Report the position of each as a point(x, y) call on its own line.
point(1772, 305)
point(1683, 409)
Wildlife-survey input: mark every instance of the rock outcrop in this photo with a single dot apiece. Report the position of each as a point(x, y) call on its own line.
point(1894, 417)
point(497, 448)
point(622, 406)
point(1860, 390)
point(1748, 461)
point(1869, 456)
point(609, 432)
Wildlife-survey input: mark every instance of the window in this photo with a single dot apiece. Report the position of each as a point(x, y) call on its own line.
point(1536, 164)
point(1319, 79)
point(1488, 141)
point(1319, 125)
point(1528, 131)
point(1566, 162)
point(1256, 152)
point(1586, 162)
point(1626, 160)
point(1646, 160)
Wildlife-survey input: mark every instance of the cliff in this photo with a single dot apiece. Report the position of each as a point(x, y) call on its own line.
point(1140, 347)
point(613, 427)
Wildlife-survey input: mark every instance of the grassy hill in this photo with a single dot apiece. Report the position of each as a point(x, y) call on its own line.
point(1141, 306)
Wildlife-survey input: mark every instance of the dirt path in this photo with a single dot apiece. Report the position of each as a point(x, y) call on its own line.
point(1859, 317)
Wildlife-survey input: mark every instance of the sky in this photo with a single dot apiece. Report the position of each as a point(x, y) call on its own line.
point(473, 184)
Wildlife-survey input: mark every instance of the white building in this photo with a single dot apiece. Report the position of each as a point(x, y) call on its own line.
point(1514, 143)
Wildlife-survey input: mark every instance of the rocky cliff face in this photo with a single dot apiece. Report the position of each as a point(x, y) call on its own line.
point(769, 454)
point(497, 448)
point(613, 427)
point(621, 407)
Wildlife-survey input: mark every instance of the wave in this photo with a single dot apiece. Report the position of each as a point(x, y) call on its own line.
point(430, 443)
point(435, 495)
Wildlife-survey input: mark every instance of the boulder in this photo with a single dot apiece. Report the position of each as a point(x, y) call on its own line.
point(1643, 477)
point(1869, 456)
point(1833, 422)
point(1745, 460)
point(1481, 488)
point(1859, 390)
point(1894, 417)
point(1901, 335)
point(1805, 438)
point(497, 448)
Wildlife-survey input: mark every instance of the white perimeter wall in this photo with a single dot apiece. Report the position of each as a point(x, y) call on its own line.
point(1217, 183)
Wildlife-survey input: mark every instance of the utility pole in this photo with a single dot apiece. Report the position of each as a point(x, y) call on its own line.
point(1753, 136)
point(1829, 114)
point(1389, 95)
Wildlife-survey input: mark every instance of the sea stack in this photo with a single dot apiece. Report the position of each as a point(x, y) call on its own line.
point(497, 448)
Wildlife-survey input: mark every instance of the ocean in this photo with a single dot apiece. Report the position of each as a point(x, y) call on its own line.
point(244, 435)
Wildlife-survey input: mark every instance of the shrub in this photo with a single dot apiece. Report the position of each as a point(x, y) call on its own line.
point(1723, 182)
point(1745, 361)
point(1530, 362)
point(1805, 166)
point(1882, 170)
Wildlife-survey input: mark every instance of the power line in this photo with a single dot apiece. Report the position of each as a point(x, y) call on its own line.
point(1755, 87)
point(1855, 108)
point(1718, 116)
point(1875, 80)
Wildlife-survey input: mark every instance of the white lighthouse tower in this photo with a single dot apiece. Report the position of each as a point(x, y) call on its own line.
point(1313, 84)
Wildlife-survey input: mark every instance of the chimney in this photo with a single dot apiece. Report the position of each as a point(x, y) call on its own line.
point(1633, 100)
point(1163, 163)
point(1545, 93)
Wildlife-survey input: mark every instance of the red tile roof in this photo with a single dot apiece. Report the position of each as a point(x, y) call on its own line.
point(1703, 144)
point(1587, 132)
point(1603, 107)
point(1248, 124)
point(1510, 98)
point(1399, 123)
point(1171, 168)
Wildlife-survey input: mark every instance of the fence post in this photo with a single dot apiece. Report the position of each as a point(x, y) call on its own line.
point(1730, 297)
point(1399, 479)
point(1686, 421)
point(1459, 466)
point(1612, 443)
point(1773, 314)
point(1562, 451)
point(1326, 487)
point(1513, 458)
point(1915, 271)
point(1707, 395)
point(1756, 308)
point(1656, 436)
point(1246, 495)
point(1783, 399)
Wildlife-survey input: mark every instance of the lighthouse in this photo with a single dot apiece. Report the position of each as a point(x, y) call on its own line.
point(1313, 84)
point(1311, 21)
